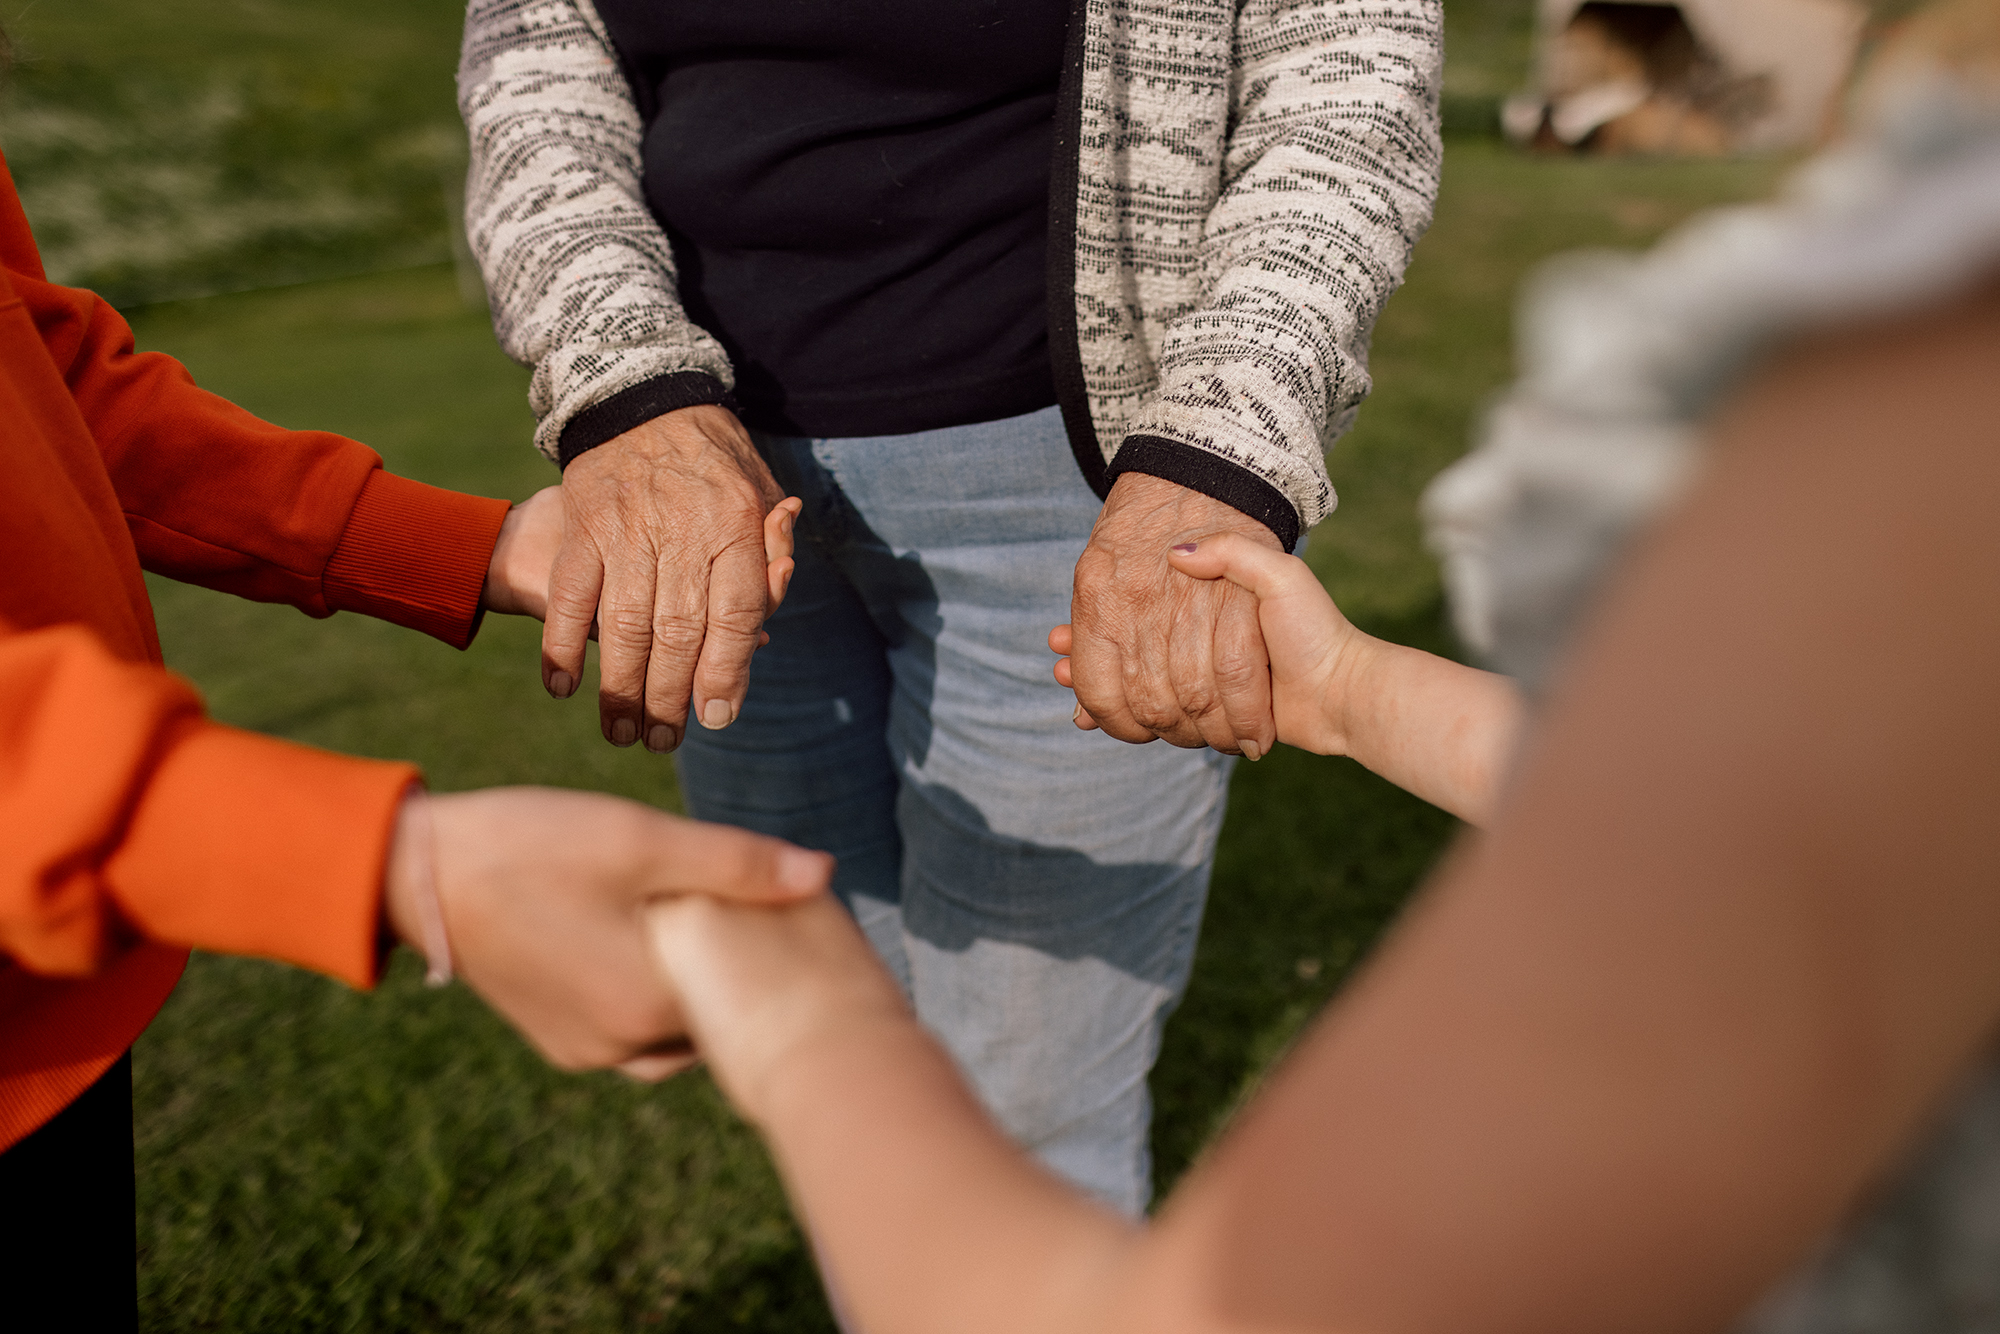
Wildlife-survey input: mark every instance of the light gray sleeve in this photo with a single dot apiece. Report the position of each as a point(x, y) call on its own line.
point(579, 274)
point(1329, 177)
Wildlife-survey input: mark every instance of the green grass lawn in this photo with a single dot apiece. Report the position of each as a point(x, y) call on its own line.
point(314, 1159)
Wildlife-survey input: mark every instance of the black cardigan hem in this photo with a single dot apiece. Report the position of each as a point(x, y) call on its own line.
point(1213, 476)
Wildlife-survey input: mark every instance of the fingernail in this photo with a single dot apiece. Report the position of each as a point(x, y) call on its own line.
point(562, 685)
point(659, 738)
point(624, 732)
point(1252, 751)
point(1187, 548)
point(717, 714)
point(800, 871)
point(1079, 715)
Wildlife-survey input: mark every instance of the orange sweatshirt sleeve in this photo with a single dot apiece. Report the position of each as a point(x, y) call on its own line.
point(130, 815)
point(213, 495)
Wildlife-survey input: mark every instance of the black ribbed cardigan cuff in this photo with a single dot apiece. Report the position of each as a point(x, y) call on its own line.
point(635, 406)
point(1213, 476)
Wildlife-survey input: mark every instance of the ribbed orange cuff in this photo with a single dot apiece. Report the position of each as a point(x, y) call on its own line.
point(415, 555)
point(243, 844)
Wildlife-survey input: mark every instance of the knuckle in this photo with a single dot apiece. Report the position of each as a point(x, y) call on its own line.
point(624, 625)
point(674, 625)
point(572, 597)
point(736, 622)
point(1237, 673)
point(1200, 703)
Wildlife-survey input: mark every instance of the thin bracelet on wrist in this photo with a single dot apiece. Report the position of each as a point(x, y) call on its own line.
point(419, 855)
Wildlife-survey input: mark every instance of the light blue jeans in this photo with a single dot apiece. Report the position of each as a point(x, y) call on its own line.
point(1036, 889)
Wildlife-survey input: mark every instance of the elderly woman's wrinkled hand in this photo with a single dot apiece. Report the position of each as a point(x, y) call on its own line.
point(1154, 653)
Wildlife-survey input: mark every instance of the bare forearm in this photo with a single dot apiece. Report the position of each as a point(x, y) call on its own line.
point(1431, 726)
point(1730, 942)
point(926, 1217)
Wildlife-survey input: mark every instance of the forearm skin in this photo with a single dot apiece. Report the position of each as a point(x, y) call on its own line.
point(925, 1216)
point(1431, 726)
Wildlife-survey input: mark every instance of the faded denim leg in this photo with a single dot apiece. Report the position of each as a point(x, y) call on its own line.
point(808, 760)
point(1051, 882)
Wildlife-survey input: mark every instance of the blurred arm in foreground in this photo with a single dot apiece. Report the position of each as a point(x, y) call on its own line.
point(136, 827)
point(1731, 940)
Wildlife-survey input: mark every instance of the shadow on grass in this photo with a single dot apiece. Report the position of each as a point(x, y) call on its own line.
point(1317, 856)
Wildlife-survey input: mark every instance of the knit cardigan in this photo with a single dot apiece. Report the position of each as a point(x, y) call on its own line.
point(1235, 191)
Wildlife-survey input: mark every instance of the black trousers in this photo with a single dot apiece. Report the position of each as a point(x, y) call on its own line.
point(68, 1239)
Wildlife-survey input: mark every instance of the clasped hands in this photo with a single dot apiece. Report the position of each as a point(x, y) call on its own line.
point(653, 540)
point(671, 545)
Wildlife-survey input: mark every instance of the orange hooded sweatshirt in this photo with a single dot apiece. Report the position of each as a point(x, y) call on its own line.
point(131, 826)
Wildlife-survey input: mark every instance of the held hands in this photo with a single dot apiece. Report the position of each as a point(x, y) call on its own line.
point(517, 576)
point(760, 985)
point(524, 558)
point(1434, 727)
point(662, 552)
point(543, 894)
point(1312, 647)
point(1153, 652)
point(541, 890)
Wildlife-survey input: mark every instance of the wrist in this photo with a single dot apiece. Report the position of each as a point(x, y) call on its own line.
point(876, 1049)
point(636, 405)
point(1349, 697)
point(498, 594)
point(410, 902)
point(1230, 485)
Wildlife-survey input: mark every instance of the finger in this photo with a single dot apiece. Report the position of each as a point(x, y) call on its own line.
point(1060, 639)
point(1247, 564)
point(779, 573)
point(692, 857)
point(1097, 677)
point(778, 529)
point(1195, 713)
point(625, 641)
point(1097, 667)
point(1084, 722)
point(678, 625)
point(1243, 676)
point(1062, 673)
point(575, 581)
point(736, 603)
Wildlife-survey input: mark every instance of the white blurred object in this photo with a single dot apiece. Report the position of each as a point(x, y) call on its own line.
point(1749, 75)
point(1621, 356)
point(1574, 117)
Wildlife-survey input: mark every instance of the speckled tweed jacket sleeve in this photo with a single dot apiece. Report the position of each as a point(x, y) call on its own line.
point(1235, 195)
point(580, 275)
point(1249, 186)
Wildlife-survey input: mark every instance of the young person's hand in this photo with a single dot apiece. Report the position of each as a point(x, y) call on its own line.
point(542, 892)
point(517, 578)
point(1305, 636)
point(1434, 727)
point(778, 562)
point(1311, 645)
point(760, 985)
